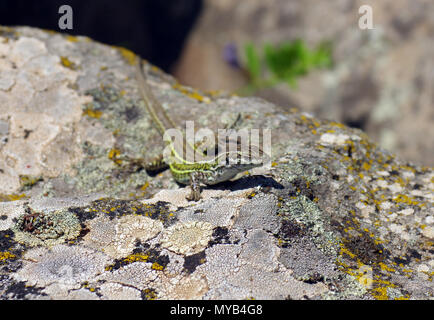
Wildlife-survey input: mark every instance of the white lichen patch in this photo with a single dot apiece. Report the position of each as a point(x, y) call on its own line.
point(177, 198)
point(396, 228)
point(229, 276)
point(187, 238)
point(406, 212)
point(58, 291)
point(428, 231)
point(365, 210)
point(218, 211)
point(131, 228)
point(185, 288)
point(24, 49)
point(65, 265)
point(117, 238)
point(101, 235)
point(222, 262)
point(116, 291)
point(333, 139)
point(139, 275)
point(10, 211)
point(96, 134)
point(386, 205)
point(7, 80)
point(263, 284)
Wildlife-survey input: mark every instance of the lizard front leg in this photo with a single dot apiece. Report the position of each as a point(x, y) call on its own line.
point(195, 180)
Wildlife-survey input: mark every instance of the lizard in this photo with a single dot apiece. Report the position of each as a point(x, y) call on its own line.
point(205, 170)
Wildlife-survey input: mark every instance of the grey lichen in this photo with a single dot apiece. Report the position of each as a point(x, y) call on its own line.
point(308, 213)
point(61, 265)
point(117, 239)
point(188, 237)
point(46, 229)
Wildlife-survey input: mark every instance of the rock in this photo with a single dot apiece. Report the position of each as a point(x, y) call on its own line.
point(333, 217)
point(382, 81)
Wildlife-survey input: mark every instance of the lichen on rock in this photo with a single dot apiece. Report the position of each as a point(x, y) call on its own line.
point(46, 229)
point(61, 264)
point(334, 217)
point(187, 237)
point(118, 239)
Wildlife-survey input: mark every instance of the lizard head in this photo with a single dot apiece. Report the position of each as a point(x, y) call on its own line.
point(228, 164)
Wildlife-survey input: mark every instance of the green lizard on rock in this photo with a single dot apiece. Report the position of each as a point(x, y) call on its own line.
point(202, 168)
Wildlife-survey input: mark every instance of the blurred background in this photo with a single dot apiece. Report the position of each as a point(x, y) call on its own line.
point(305, 54)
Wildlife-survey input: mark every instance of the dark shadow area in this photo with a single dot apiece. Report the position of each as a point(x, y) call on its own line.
point(154, 29)
point(266, 183)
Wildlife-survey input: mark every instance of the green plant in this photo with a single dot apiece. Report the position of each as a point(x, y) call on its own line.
point(285, 62)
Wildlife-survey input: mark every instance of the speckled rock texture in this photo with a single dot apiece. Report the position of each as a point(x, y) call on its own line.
point(333, 217)
point(382, 80)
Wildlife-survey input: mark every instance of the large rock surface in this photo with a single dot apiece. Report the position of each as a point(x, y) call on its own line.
point(334, 217)
point(382, 80)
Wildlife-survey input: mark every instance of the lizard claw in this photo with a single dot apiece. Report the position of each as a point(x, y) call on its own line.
point(195, 187)
point(193, 196)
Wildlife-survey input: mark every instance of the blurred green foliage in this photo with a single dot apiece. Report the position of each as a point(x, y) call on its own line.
point(285, 62)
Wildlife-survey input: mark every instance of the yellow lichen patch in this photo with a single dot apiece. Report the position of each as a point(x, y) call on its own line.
point(337, 124)
point(92, 113)
point(149, 294)
point(157, 266)
point(366, 166)
point(155, 69)
point(145, 186)
point(72, 38)
point(128, 55)
point(380, 293)
point(402, 198)
point(137, 257)
point(384, 267)
point(11, 197)
point(343, 250)
point(303, 117)
point(192, 94)
point(380, 290)
point(6, 255)
point(113, 155)
point(67, 63)
point(28, 181)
